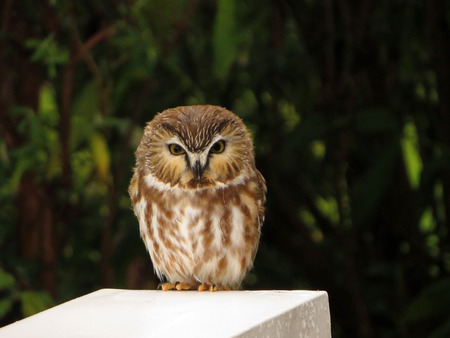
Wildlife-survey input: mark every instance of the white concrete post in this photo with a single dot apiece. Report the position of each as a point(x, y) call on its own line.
point(111, 313)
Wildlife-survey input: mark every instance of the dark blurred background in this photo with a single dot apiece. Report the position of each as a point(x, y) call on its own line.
point(349, 105)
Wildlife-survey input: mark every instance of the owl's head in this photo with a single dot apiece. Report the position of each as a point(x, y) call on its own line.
point(195, 147)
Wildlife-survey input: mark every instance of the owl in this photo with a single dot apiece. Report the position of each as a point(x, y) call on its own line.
point(198, 197)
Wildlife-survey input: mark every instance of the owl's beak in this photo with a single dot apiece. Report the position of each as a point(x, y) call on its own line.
point(198, 169)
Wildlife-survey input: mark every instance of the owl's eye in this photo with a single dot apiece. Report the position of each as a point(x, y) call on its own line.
point(176, 149)
point(218, 147)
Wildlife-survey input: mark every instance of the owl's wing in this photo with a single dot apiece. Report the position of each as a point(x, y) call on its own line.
point(261, 197)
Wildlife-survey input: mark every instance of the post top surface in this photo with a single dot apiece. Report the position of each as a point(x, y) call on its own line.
point(144, 313)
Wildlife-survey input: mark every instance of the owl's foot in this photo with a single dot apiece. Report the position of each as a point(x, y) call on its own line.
point(185, 287)
point(178, 286)
point(168, 286)
point(213, 287)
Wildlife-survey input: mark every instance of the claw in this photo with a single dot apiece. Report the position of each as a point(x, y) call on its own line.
point(177, 286)
point(218, 287)
point(184, 287)
point(203, 287)
point(213, 287)
point(200, 287)
point(168, 286)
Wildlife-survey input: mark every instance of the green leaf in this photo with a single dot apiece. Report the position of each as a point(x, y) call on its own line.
point(411, 155)
point(427, 222)
point(7, 280)
point(48, 52)
point(34, 302)
point(370, 188)
point(48, 108)
point(100, 153)
point(432, 302)
point(5, 306)
point(328, 207)
point(310, 129)
point(85, 109)
point(441, 331)
point(225, 38)
point(375, 120)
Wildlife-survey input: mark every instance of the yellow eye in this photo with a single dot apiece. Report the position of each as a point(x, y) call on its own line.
point(176, 149)
point(218, 147)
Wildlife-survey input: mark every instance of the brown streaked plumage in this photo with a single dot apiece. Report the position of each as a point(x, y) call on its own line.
point(198, 197)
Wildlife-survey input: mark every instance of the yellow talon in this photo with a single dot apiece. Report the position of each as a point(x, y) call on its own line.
point(184, 287)
point(203, 287)
point(213, 287)
point(177, 286)
point(200, 287)
point(167, 286)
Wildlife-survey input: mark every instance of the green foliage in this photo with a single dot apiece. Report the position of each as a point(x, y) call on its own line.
point(413, 161)
point(371, 188)
point(101, 156)
point(432, 307)
point(7, 283)
point(225, 38)
point(49, 52)
point(34, 302)
point(31, 302)
point(348, 110)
